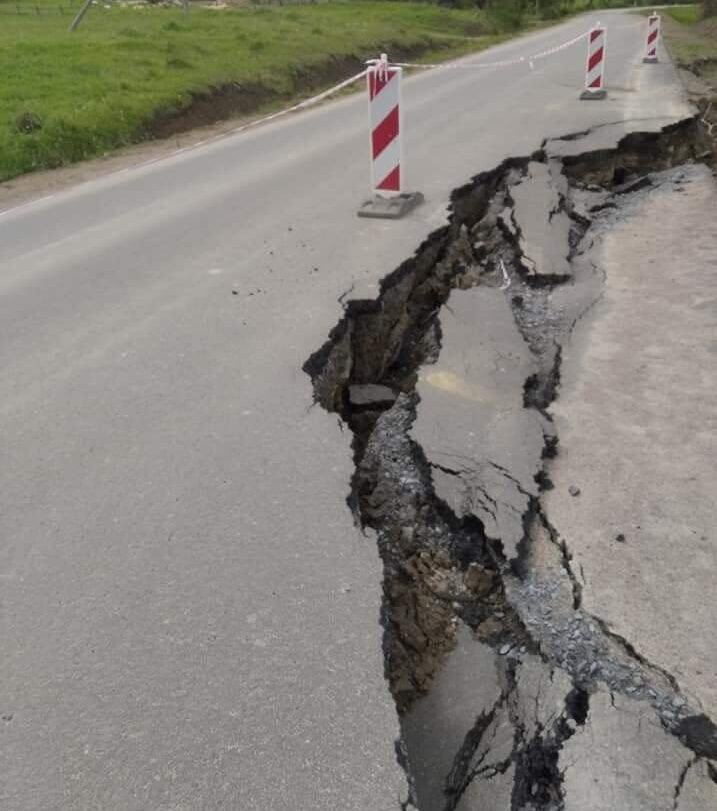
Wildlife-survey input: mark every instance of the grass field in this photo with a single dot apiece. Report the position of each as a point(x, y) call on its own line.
point(692, 41)
point(64, 97)
point(687, 15)
point(693, 38)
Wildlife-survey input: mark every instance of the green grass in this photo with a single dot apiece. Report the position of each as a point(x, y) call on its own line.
point(687, 15)
point(692, 39)
point(65, 97)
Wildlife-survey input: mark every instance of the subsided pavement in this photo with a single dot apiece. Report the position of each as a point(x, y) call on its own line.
point(535, 660)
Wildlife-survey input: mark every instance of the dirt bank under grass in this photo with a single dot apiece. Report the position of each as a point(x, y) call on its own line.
point(694, 50)
point(234, 99)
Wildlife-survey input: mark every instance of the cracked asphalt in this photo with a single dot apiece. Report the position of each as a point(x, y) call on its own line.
point(190, 617)
point(644, 547)
point(485, 600)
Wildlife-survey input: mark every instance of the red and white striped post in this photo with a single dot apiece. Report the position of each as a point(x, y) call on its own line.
point(386, 131)
point(595, 67)
point(653, 35)
point(384, 109)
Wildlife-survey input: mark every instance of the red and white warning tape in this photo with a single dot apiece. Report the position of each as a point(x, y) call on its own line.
point(332, 91)
point(520, 60)
point(310, 102)
point(384, 82)
point(302, 105)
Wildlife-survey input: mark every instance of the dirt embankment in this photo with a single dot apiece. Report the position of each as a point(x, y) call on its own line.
point(694, 50)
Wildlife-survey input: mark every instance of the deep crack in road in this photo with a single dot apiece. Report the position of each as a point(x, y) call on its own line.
point(484, 627)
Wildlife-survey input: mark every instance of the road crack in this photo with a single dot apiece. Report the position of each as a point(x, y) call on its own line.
point(442, 569)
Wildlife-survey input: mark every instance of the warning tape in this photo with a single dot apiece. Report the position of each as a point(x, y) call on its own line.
point(310, 102)
point(520, 60)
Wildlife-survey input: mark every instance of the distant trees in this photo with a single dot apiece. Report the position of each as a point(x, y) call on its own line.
point(509, 13)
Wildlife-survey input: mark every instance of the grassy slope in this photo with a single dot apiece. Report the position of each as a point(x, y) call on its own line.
point(684, 14)
point(689, 37)
point(693, 44)
point(100, 87)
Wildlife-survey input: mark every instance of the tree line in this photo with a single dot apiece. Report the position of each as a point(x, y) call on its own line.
point(511, 13)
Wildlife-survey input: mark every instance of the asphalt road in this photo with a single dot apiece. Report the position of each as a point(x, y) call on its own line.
point(190, 620)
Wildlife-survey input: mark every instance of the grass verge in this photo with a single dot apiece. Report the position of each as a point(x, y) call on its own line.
point(688, 36)
point(687, 15)
point(693, 44)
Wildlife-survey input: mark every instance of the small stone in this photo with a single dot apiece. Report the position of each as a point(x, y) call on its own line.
point(489, 628)
point(620, 538)
point(573, 490)
point(505, 649)
point(479, 580)
point(678, 701)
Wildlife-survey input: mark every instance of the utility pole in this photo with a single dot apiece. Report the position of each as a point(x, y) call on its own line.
point(80, 14)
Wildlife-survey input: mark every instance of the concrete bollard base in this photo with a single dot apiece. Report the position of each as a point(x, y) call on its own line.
point(593, 95)
point(391, 208)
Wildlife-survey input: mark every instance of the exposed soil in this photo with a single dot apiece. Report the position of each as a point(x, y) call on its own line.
point(699, 75)
point(210, 106)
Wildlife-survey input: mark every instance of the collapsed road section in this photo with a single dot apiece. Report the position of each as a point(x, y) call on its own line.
point(502, 679)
